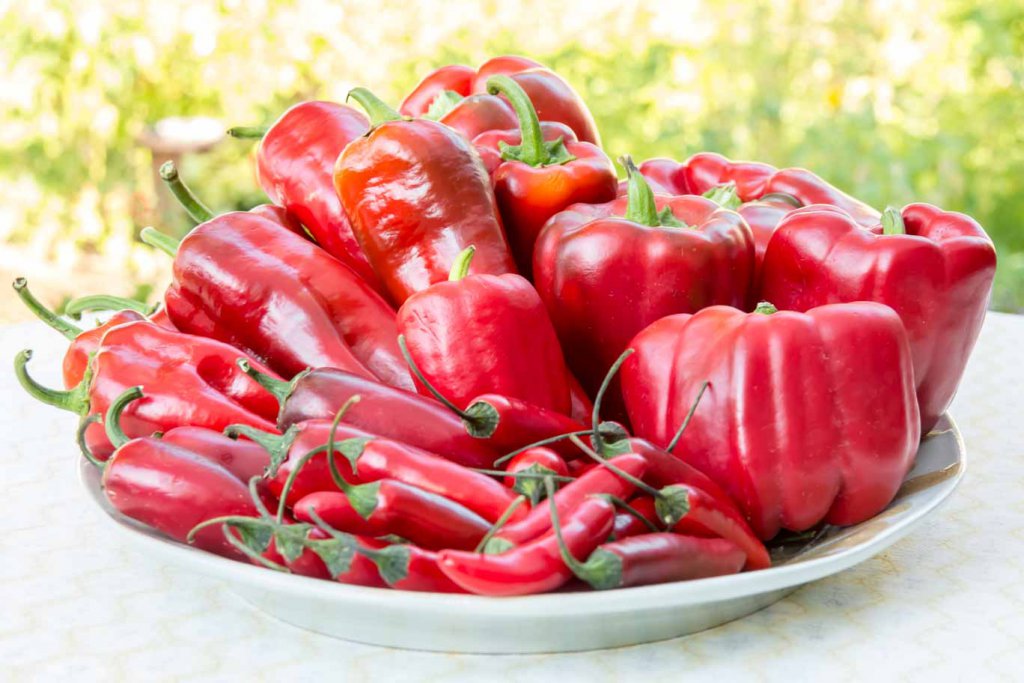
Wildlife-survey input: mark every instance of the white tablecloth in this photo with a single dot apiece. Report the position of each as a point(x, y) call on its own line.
point(949, 601)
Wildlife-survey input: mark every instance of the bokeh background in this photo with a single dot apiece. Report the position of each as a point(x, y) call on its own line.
point(912, 100)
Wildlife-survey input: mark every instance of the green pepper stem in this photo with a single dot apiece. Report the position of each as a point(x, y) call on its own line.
point(765, 308)
point(196, 210)
point(430, 387)
point(339, 481)
point(725, 196)
point(640, 206)
point(460, 267)
point(531, 150)
point(599, 398)
point(378, 111)
point(543, 442)
point(160, 240)
point(75, 400)
point(33, 304)
point(83, 447)
point(689, 416)
point(248, 132)
point(278, 388)
point(277, 445)
point(523, 474)
point(112, 420)
point(579, 569)
point(592, 454)
point(892, 222)
point(106, 302)
point(631, 511)
point(501, 521)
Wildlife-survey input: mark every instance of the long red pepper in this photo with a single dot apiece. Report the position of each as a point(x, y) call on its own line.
point(189, 381)
point(642, 519)
point(417, 195)
point(539, 460)
point(536, 566)
point(244, 459)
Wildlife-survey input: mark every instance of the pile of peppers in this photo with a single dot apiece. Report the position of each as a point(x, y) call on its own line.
point(456, 353)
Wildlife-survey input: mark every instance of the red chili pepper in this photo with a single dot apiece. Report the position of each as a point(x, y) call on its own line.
point(319, 394)
point(781, 426)
point(171, 488)
point(656, 558)
point(539, 178)
point(571, 496)
point(607, 271)
point(534, 567)
point(365, 458)
point(478, 334)
point(629, 524)
point(189, 381)
point(417, 195)
point(388, 507)
point(244, 459)
point(295, 166)
point(934, 268)
point(539, 460)
point(358, 569)
point(309, 309)
point(508, 424)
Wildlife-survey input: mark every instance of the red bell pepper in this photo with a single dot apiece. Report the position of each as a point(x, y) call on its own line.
point(553, 98)
point(169, 487)
point(607, 271)
point(295, 167)
point(417, 195)
point(477, 114)
point(540, 178)
point(537, 566)
point(240, 279)
point(934, 268)
point(781, 425)
point(477, 334)
point(808, 188)
point(189, 381)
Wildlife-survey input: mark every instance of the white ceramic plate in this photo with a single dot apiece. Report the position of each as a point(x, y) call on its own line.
point(567, 621)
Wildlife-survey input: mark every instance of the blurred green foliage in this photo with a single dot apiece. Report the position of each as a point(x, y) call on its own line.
point(913, 100)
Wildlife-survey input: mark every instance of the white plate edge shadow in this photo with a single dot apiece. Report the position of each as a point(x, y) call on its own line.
point(252, 582)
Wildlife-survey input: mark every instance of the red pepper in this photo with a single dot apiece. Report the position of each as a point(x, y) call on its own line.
point(607, 271)
point(656, 558)
point(365, 458)
point(629, 524)
point(388, 507)
point(707, 170)
point(781, 426)
point(307, 310)
point(489, 143)
point(553, 98)
point(244, 459)
point(417, 195)
point(478, 114)
point(319, 394)
point(359, 570)
point(189, 381)
point(538, 179)
point(171, 488)
point(934, 268)
point(478, 334)
point(537, 461)
point(295, 167)
point(508, 424)
point(571, 496)
point(537, 566)
point(808, 188)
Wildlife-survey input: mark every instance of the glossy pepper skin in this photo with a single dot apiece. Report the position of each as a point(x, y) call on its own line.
point(554, 99)
point(479, 333)
point(244, 459)
point(538, 179)
point(189, 380)
point(478, 114)
point(607, 271)
point(934, 268)
point(417, 195)
point(241, 279)
point(537, 566)
point(295, 167)
point(781, 426)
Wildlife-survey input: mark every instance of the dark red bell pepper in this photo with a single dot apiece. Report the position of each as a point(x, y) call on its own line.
point(417, 195)
point(241, 279)
point(934, 268)
point(607, 271)
point(189, 380)
point(295, 167)
point(781, 425)
point(476, 334)
point(534, 567)
point(539, 178)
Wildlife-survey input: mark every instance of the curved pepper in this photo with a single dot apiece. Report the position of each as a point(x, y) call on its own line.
point(934, 268)
point(189, 380)
point(607, 271)
point(478, 333)
point(781, 426)
point(539, 178)
point(244, 459)
point(295, 167)
point(418, 195)
point(241, 279)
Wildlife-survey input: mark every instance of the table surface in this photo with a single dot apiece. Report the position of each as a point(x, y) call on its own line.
point(78, 604)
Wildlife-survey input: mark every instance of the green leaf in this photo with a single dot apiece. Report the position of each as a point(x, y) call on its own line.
point(443, 104)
